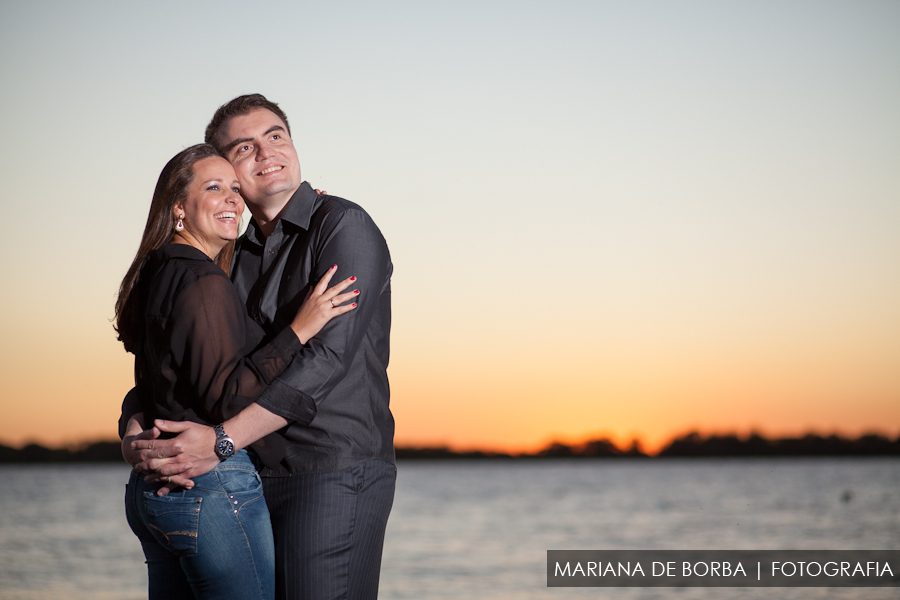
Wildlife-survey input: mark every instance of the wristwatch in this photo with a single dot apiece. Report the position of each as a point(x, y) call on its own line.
point(224, 444)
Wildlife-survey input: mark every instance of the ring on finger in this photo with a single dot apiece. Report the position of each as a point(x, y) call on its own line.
point(332, 303)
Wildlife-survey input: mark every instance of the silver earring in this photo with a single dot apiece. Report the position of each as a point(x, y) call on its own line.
point(179, 226)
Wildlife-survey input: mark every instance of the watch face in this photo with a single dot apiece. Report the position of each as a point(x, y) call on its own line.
point(225, 448)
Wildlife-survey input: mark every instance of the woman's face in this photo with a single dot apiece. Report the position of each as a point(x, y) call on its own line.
point(213, 206)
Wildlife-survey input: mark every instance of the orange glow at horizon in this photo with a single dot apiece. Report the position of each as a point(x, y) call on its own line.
point(448, 392)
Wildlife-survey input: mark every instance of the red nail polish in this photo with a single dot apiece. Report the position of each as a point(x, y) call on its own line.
point(334, 266)
point(353, 278)
point(356, 292)
point(353, 305)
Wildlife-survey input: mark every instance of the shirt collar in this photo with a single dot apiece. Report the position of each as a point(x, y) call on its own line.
point(156, 259)
point(175, 250)
point(299, 211)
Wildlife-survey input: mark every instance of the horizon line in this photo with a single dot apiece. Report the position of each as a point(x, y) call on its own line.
point(635, 446)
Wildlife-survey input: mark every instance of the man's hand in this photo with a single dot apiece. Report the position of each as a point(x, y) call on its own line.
point(176, 461)
point(135, 431)
point(132, 456)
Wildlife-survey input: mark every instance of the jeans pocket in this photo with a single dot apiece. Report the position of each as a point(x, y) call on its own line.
point(174, 521)
point(239, 481)
point(241, 486)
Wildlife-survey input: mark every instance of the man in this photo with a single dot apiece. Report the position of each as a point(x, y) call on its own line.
point(331, 496)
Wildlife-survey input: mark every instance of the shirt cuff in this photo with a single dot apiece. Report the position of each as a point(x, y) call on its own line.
point(287, 402)
point(286, 343)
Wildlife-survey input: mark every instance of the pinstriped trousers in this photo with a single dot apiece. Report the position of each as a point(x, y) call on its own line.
point(329, 531)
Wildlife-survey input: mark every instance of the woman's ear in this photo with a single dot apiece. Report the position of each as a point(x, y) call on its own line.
point(178, 210)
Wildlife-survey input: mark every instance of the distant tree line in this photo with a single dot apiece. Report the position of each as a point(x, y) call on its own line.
point(106, 451)
point(693, 445)
point(690, 445)
point(755, 445)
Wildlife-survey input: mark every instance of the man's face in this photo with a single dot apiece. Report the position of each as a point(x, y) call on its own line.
point(262, 153)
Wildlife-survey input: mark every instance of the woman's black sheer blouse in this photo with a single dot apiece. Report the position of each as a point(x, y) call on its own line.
point(201, 357)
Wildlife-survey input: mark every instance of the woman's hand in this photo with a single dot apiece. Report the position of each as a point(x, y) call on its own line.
point(323, 304)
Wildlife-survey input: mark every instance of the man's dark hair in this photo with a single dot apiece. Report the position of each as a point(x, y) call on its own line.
point(241, 105)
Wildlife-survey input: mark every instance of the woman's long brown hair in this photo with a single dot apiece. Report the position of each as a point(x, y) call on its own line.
point(172, 187)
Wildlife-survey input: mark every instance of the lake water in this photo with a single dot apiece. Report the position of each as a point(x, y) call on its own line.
point(481, 529)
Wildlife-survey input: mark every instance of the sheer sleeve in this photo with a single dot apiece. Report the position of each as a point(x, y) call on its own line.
point(210, 337)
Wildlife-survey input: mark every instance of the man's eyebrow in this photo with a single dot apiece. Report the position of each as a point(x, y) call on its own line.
point(227, 148)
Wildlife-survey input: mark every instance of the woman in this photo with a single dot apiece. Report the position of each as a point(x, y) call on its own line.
point(198, 357)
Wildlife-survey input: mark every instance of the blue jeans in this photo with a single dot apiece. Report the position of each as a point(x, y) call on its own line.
point(213, 541)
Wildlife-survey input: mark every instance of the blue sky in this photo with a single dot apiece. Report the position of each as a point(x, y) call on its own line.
point(628, 218)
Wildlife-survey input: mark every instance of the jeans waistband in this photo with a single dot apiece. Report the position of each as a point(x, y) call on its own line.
point(242, 459)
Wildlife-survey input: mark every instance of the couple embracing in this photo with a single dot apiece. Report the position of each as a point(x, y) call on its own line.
point(254, 374)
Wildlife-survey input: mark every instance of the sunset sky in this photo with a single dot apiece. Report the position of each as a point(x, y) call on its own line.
point(625, 219)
